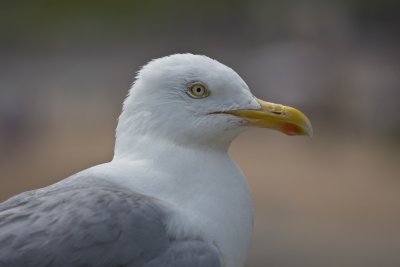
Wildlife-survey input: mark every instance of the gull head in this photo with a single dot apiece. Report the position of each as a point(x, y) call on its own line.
point(193, 100)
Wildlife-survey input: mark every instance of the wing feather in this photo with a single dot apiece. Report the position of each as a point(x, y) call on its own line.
point(92, 223)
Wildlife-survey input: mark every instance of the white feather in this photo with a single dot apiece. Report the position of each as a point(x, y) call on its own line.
point(168, 146)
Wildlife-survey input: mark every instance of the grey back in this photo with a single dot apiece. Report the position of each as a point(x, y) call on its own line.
point(92, 223)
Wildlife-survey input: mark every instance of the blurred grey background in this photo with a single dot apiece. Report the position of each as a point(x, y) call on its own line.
point(332, 200)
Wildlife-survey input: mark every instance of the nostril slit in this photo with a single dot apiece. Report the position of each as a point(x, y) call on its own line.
point(277, 112)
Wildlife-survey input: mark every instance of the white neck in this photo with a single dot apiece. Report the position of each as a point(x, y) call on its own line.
point(204, 187)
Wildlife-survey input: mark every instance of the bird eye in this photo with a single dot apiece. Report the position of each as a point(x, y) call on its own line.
point(197, 90)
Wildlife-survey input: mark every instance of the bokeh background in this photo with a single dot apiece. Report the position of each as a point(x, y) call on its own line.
point(330, 200)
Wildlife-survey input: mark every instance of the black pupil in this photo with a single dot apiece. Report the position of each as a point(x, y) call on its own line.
point(198, 89)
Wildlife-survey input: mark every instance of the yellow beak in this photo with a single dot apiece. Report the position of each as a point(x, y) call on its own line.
point(275, 116)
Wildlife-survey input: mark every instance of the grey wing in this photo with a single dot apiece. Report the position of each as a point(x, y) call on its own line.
point(193, 253)
point(92, 224)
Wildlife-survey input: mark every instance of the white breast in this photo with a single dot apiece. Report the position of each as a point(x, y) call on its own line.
point(208, 193)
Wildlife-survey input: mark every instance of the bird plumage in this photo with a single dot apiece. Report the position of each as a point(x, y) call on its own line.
point(171, 196)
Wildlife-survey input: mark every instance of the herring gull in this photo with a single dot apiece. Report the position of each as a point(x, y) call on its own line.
point(171, 196)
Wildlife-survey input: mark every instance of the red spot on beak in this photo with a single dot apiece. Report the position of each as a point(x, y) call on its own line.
point(291, 129)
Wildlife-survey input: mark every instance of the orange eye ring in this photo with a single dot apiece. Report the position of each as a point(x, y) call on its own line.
point(198, 90)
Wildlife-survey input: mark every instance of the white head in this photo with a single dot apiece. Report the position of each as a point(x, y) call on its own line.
point(193, 100)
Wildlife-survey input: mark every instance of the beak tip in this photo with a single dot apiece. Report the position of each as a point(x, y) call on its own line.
point(309, 131)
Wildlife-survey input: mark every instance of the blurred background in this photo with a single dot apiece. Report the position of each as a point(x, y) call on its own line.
point(330, 200)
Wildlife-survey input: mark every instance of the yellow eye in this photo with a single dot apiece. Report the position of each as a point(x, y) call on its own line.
point(198, 90)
